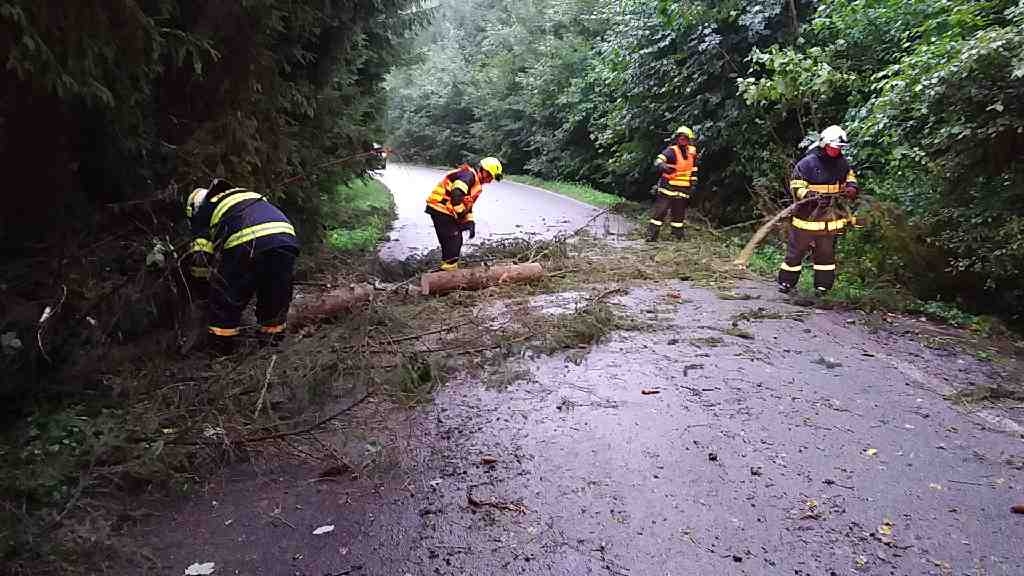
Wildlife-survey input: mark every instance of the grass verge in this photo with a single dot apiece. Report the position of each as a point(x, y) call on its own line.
point(359, 214)
point(578, 191)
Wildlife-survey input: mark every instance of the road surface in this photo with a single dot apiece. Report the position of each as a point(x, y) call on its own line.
point(806, 442)
point(504, 210)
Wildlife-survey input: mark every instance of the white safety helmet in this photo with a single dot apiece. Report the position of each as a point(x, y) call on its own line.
point(833, 136)
point(195, 199)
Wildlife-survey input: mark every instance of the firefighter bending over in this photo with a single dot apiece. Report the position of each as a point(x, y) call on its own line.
point(825, 177)
point(450, 206)
point(678, 166)
point(254, 247)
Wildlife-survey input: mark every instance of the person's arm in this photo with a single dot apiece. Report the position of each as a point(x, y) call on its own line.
point(665, 161)
point(798, 183)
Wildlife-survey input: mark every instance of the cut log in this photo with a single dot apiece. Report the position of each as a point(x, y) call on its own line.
point(325, 305)
point(478, 278)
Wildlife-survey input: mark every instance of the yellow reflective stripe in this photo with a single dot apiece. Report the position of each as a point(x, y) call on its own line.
point(253, 232)
point(216, 331)
point(818, 226)
point(460, 185)
point(825, 267)
point(469, 217)
point(677, 224)
point(273, 329)
point(201, 245)
point(662, 158)
point(789, 268)
point(851, 177)
point(673, 193)
point(200, 271)
point(655, 222)
point(223, 207)
point(225, 193)
point(824, 188)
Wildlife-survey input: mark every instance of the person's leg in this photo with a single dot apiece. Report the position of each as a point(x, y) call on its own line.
point(449, 237)
point(824, 262)
point(232, 285)
point(658, 213)
point(678, 218)
point(275, 270)
point(796, 248)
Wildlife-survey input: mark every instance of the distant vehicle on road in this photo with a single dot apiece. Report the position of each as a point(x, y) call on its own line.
point(381, 156)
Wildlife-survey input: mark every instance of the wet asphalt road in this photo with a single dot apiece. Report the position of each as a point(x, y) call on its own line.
point(504, 210)
point(812, 444)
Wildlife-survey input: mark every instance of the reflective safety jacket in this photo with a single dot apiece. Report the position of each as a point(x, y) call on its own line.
point(828, 178)
point(238, 217)
point(456, 193)
point(682, 176)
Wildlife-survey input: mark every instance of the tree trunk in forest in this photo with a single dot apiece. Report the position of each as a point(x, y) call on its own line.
point(478, 278)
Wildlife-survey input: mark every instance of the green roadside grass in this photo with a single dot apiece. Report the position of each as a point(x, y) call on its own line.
point(578, 191)
point(855, 288)
point(359, 215)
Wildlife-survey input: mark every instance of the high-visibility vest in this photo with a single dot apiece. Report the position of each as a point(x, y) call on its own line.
point(440, 198)
point(682, 173)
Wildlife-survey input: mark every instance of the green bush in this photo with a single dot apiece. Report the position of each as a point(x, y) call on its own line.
point(358, 215)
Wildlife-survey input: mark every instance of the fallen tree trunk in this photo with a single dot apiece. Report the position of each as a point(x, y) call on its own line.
point(328, 304)
point(478, 278)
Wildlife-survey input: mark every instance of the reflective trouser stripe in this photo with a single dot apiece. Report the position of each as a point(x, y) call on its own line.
point(819, 226)
point(258, 231)
point(217, 331)
point(789, 268)
point(273, 329)
point(825, 267)
point(655, 222)
point(200, 271)
point(677, 224)
point(673, 193)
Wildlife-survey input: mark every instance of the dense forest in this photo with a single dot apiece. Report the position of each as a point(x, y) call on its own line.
point(931, 92)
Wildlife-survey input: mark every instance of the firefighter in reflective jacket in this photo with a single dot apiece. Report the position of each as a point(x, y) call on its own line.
point(825, 178)
point(450, 206)
point(678, 166)
point(254, 248)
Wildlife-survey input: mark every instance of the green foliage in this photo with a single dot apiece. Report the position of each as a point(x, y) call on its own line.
point(581, 192)
point(358, 215)
point(132, 97)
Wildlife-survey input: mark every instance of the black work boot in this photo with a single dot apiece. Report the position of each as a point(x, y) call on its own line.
point(785, 287)
point(652, 232)
point(679, 233)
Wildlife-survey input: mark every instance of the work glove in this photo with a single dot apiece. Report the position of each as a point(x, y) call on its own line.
point(471, 226)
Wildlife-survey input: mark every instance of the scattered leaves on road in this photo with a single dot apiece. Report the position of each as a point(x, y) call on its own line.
point(649, 391)
point(323, 530)
point(202, 569)
point(871, 452)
